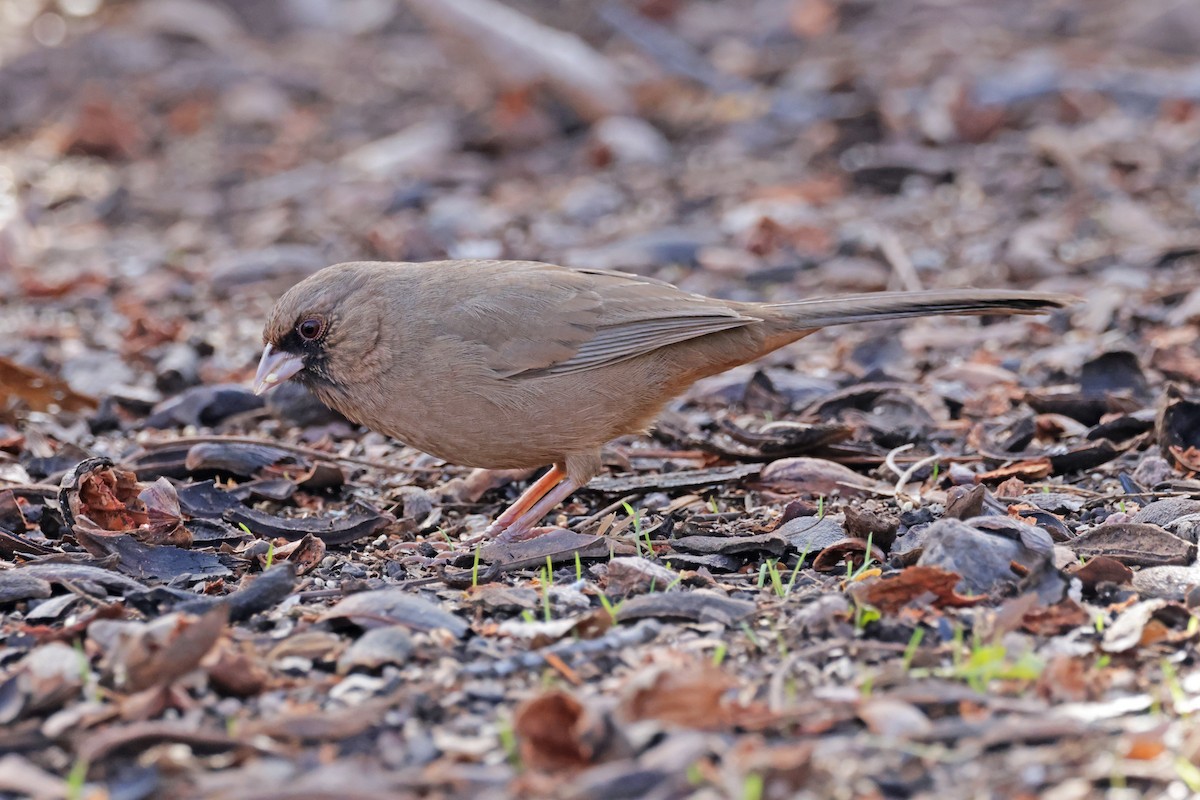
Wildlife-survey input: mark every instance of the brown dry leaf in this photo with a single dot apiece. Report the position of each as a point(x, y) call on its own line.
point(593, 625)
point(146, 329)
point(164, 521)
point(890, 593)
point(13, 512)
point(46, 678)
point(536, 634)
point(630, 575)
point(190, 115)
point(161, 562)
point(973, 122)
point(1155, 632)
point(816, 476)
point(499, 597)
point(333, 529)
point(817, 190)
point(995, 623)
point(139, 736)
point(1069, 679)
point(311, 644)
point(700, 605)
point(164, 650)
point(559, 545)
point(1137, 544)
point(1056, 619)
point(812, 19)
point(880, 528)
point(1187, 459)
point(555, 732)
point(305, 722)
point(1176, 429)
point(304, 553)
point(395, 606)
point(893, 718)
point(1029, 470)
point(1147, 623)
point(39, 391)
point(1013, 487)
point(1145, 745)
point(770, 236)
point(785, 768)
point(104, 500)
point(103, 128)
point(1101, 569)
point(108, 497)
point(854, 550)
point(236, 669)
point(1178, 362)
point(689, 693)
point(768, 543)
point(35, 286)
point(964, 502)
point(152, 703)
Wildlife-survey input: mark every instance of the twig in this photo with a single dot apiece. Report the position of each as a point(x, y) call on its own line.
point(560, 666)
point(44, 489)
point(293, 448)
point(894, 253)
point(906, 474)
point(670, 51)
point(594, 520)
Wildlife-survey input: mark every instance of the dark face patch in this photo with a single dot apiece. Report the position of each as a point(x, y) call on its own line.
point(312, 352)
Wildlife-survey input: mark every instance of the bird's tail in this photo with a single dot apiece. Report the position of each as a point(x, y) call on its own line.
point(849, 309)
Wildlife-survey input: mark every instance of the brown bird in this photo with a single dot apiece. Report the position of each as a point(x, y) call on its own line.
point(517, 364)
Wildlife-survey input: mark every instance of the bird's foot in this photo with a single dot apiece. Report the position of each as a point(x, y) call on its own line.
point(492, 531)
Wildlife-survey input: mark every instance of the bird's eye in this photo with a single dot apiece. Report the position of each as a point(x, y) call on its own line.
point(311, 328)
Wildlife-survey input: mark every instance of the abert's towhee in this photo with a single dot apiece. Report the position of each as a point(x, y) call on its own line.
point(517, 364)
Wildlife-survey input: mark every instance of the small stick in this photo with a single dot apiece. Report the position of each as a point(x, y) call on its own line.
point(893, 251)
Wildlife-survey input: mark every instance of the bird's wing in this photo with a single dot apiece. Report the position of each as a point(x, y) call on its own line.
point(537, 319)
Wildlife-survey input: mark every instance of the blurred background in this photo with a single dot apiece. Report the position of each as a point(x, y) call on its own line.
point(167, 167)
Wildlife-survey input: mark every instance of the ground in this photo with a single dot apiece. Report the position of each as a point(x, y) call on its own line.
point(937, 558)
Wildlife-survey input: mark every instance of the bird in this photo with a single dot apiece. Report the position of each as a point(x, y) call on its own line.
point(521, 364)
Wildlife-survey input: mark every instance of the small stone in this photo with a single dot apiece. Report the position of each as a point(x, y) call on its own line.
point(629, 140)
point(255, 103)
point(588, 201)
point(416, 149)
point(375, 648)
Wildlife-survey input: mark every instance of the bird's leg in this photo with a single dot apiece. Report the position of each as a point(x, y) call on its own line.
point(522, 527)
point(536, 491)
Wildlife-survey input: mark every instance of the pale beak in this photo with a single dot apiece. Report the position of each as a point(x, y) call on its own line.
point(274, 368)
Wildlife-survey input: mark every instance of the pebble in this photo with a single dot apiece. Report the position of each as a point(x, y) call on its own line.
point(629, 140)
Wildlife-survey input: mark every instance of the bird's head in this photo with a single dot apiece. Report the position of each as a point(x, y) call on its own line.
point(321, 330)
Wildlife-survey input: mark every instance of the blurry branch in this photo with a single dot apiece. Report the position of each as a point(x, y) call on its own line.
point(669, 51)
point(517, 52)
point(676, 57)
